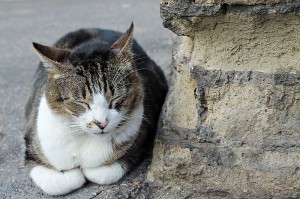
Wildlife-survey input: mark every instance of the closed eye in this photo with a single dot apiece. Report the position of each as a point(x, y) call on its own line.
point(113, 101)
point(84, 103)
point(61, 99)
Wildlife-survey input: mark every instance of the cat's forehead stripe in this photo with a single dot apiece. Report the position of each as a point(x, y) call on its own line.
point(103, 69)
point(95, 75)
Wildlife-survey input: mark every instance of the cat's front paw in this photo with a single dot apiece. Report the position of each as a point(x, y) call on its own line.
point(54, 182)
point(106, 174)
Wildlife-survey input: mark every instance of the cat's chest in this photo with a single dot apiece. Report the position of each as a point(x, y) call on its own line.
point(66, 153)
point(65, 149)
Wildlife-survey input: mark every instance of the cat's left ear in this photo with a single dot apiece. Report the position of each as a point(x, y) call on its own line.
point(124, 43)
point(51, 56)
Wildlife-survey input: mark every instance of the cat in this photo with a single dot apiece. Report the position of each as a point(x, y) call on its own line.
point(92, 111)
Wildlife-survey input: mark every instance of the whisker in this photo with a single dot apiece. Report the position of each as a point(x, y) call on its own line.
point(71, 127)
point(139, 58)
point(117, 74)
point(129, 74)
point(123, 85)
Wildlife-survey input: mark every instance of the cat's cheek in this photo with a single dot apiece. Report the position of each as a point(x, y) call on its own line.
point(114, 120)
point(83, 121)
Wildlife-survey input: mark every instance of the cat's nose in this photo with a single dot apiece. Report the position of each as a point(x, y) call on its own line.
point(101, 125)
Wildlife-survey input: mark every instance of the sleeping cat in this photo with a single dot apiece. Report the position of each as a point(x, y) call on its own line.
point(92, 110)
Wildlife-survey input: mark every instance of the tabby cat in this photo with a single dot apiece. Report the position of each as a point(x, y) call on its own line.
point(92, 110)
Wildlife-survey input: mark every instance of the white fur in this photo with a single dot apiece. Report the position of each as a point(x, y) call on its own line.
point(57, 183)
point(100, 112)
point(106, 174)
point(132, 127)
point(67, 148)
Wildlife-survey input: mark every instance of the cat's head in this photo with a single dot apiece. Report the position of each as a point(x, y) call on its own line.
point(94, 86)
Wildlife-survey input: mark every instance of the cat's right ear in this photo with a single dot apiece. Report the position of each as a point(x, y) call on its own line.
point(124, 43)
point(51, 56)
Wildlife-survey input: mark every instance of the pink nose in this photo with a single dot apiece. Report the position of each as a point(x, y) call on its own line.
point(101, 125)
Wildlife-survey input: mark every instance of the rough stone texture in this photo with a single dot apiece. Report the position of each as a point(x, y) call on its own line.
point(183, 95)
point(232, 2)
point(266, 44)
point(236, 91)
point(184, 17)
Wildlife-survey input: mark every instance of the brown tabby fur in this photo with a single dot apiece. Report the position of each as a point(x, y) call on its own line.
point(68, 81)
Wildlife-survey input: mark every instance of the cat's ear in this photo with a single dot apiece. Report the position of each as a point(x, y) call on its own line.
point(124, 43)
point(51, 56)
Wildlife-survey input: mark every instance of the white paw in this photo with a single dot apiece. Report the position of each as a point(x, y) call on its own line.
point(106, 174)
point(54, 182)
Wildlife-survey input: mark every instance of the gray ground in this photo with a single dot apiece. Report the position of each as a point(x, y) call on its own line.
point(22, 22)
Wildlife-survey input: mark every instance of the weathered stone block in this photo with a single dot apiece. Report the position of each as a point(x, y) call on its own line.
point(185, 17)
point(231, 124)
point(267, 44)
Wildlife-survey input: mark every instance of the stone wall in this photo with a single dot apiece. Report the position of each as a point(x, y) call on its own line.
point(231, 125)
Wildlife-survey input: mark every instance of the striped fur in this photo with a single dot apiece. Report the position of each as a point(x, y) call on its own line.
point(94, 105)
